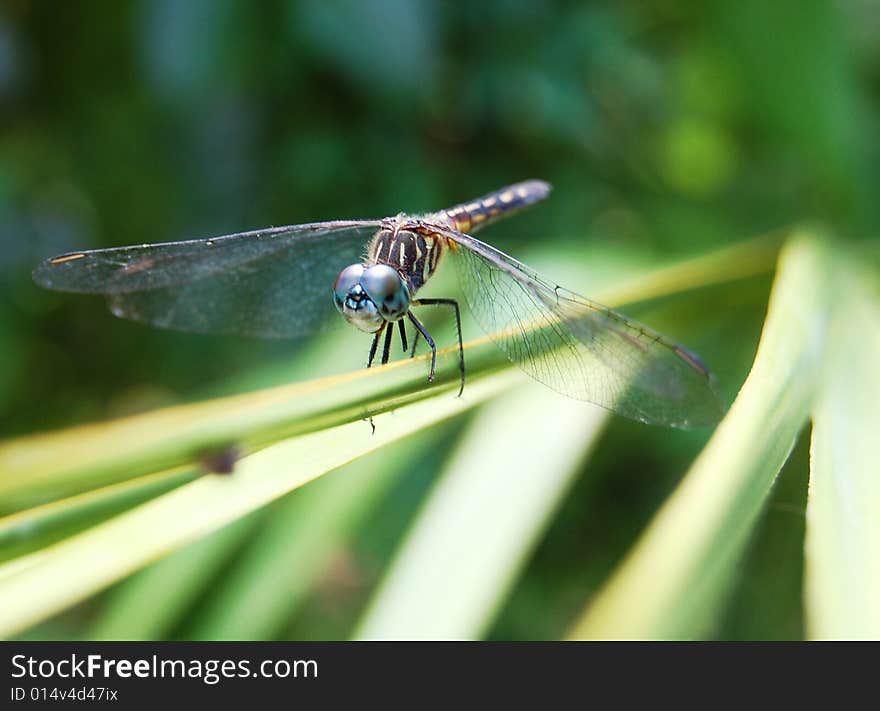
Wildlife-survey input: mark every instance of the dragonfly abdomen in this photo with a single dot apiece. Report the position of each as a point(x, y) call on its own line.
point(468, 216)
point(413, 252)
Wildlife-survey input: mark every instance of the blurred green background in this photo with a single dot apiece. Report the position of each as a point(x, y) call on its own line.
point(668, 129)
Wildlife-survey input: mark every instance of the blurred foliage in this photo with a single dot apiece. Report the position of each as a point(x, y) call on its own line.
point(668, 129)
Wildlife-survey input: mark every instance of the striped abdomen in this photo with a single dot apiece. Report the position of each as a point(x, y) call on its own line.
point(468, 216)
point(413, 252)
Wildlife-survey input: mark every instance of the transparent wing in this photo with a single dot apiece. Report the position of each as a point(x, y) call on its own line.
point(272, 283)
point(580, 348)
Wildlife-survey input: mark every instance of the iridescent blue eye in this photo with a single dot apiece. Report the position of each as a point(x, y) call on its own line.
point(354, 303)
point(387, 289)
point(348, 278)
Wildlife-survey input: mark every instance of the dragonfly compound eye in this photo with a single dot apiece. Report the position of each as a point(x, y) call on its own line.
point(386, 288)
point(348, 278)
point(354, 303)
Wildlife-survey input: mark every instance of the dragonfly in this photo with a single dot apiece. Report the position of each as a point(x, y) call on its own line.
point(281, 282)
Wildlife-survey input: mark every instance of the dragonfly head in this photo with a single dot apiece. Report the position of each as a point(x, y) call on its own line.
point(370, 296)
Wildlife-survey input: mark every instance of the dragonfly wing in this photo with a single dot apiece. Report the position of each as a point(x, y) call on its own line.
point(580, 348)
point(273, 283)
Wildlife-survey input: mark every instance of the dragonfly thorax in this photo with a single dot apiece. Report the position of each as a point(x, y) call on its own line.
point(369, 296)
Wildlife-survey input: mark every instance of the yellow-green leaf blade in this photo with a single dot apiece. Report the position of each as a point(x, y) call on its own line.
point(483, 518)
point(301, 541)
point(108, 552)
point(842, 575)
point(671, 583)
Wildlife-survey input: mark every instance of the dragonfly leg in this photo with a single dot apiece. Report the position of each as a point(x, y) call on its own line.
point(386, 349)
point(454, 304)
point(412, 353)
point(373, 348)
point(421, 329)
point(403, 335)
